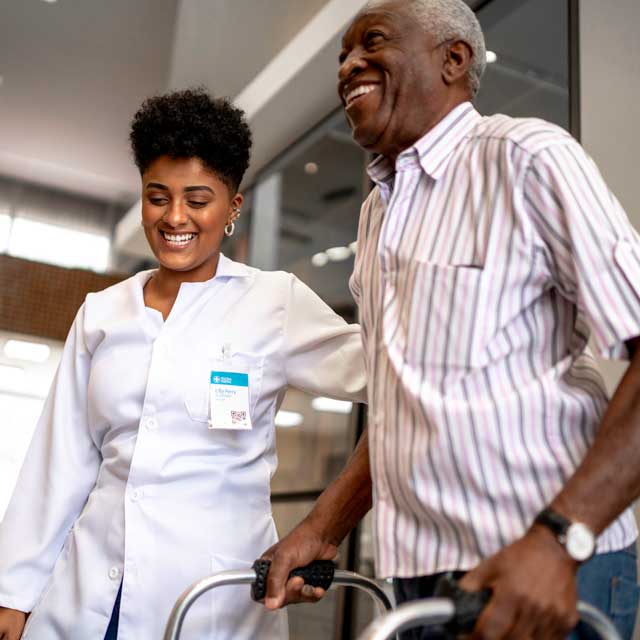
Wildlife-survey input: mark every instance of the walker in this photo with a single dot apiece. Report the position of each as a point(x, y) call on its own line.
point(454, 609)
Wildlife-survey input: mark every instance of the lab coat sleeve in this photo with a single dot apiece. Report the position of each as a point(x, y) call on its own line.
point(323, 354)
point(58, 473)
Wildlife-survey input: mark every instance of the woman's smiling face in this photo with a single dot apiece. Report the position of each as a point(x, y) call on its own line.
point(185, 207)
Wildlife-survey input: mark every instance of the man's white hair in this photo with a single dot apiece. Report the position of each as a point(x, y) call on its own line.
point(448, 20)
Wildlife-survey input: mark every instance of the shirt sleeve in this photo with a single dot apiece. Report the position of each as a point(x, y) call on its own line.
point(323, 354)
point(594, 250)
point(59, 472)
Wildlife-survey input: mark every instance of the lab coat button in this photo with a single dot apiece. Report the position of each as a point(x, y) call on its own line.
point(136, 494)
point(151, 423)
point(114, 573)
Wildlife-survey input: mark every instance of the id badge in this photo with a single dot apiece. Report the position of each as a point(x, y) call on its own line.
point(229, 399)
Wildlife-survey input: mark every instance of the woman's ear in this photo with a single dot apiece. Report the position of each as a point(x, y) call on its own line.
point(237, 200)
point(458, 56)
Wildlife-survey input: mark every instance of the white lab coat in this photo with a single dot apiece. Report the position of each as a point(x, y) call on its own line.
point(124, 482)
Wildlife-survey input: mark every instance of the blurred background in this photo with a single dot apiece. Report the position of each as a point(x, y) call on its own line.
point(72, 73)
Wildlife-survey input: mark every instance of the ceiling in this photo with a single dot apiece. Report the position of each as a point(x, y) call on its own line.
point(74, 72)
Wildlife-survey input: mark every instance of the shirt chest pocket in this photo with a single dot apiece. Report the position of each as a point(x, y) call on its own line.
point(445, 316)
point(197, 386)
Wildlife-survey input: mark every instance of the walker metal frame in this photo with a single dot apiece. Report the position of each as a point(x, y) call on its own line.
point(226, 578)
point(434, 611)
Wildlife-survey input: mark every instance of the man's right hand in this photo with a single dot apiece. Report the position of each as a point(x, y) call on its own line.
point(11, 623)
point(303, 545)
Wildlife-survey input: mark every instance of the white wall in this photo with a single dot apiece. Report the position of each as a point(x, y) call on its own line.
point(610, 103)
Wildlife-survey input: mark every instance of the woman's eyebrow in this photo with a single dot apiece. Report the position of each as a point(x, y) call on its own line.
point(202, 187)
point(157, 185)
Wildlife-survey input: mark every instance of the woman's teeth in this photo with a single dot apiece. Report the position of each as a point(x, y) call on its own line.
point(178, 238)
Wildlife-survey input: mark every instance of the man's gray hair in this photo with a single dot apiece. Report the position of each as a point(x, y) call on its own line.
point(448, 20)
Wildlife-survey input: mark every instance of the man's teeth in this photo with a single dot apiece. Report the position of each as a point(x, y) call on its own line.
point(178, 238)
point(358, 91)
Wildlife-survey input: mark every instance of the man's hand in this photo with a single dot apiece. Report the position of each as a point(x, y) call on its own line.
point(11, 623)
point(303, 545)
point(534, 590)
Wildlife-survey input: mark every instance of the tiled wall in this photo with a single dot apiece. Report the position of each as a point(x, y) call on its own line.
point(42, 300)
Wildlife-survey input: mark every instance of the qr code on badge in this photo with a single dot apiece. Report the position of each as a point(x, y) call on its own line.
point(238, 417)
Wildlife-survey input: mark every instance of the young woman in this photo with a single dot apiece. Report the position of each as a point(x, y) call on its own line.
point(150, 466)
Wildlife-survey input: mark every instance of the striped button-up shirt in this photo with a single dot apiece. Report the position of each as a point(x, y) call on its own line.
point(488, 258)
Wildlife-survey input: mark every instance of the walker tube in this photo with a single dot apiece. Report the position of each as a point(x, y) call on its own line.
point(434, 611)
point(190, 595)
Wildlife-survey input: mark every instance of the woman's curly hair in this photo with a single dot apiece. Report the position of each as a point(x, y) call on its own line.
point(190, 123)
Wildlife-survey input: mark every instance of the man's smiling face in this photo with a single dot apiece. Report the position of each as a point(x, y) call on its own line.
point(390, 79)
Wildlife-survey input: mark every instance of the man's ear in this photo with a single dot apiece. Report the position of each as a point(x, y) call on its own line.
point(457, 60)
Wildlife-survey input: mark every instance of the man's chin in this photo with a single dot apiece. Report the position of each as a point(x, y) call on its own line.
point(367, 137)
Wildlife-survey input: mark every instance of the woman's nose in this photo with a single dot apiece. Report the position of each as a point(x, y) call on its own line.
point(175, 214)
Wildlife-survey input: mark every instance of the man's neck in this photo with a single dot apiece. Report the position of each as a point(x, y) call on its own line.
point(395, 150)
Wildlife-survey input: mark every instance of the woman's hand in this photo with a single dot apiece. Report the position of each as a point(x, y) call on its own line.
point(12, 623)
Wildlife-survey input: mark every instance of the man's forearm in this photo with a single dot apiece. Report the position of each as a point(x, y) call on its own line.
point(608, 480)
point(347, 499)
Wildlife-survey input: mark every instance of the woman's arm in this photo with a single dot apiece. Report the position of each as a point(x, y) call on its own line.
point(323, 355)
point(58, 473)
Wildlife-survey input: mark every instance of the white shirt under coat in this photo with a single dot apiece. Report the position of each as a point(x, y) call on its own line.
point(124, 482)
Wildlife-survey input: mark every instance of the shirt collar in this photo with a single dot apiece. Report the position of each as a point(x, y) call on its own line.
point(229, 269)
point(226, 269)
point(433, 151)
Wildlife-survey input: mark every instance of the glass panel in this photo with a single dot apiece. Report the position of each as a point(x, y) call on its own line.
point(530, 75)
point(314, 439)
point(25, 378)
point(307, 621)
point(19, 417)
point(321, 197)
point(363, 606)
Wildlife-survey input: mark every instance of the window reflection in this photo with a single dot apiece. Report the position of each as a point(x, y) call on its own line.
point(321, 197)
point(307, 621)
point(530, 74)
point(313, 443)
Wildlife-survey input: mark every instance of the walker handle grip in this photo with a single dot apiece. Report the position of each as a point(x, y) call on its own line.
point(318, 574)
point(468, 604)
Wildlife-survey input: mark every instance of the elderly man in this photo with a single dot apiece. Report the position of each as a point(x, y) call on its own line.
point(490, 252)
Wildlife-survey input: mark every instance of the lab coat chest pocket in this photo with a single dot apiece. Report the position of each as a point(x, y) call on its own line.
point(198, 381)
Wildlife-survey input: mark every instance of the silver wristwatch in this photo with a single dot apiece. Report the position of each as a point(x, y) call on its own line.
point(576, 537)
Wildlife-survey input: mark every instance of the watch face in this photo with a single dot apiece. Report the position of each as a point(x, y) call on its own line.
point(580, 542)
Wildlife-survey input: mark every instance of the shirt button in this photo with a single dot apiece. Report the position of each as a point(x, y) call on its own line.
point(114, 573)
point(151, 423)
point(136, 494)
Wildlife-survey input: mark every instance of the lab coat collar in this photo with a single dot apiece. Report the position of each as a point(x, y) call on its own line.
point(226, 269)
point(229, 269)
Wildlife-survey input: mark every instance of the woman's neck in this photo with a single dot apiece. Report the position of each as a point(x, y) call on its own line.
point(161, 290)
point(167, 281)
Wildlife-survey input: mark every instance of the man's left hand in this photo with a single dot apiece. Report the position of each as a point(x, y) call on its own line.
point(533, 588)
